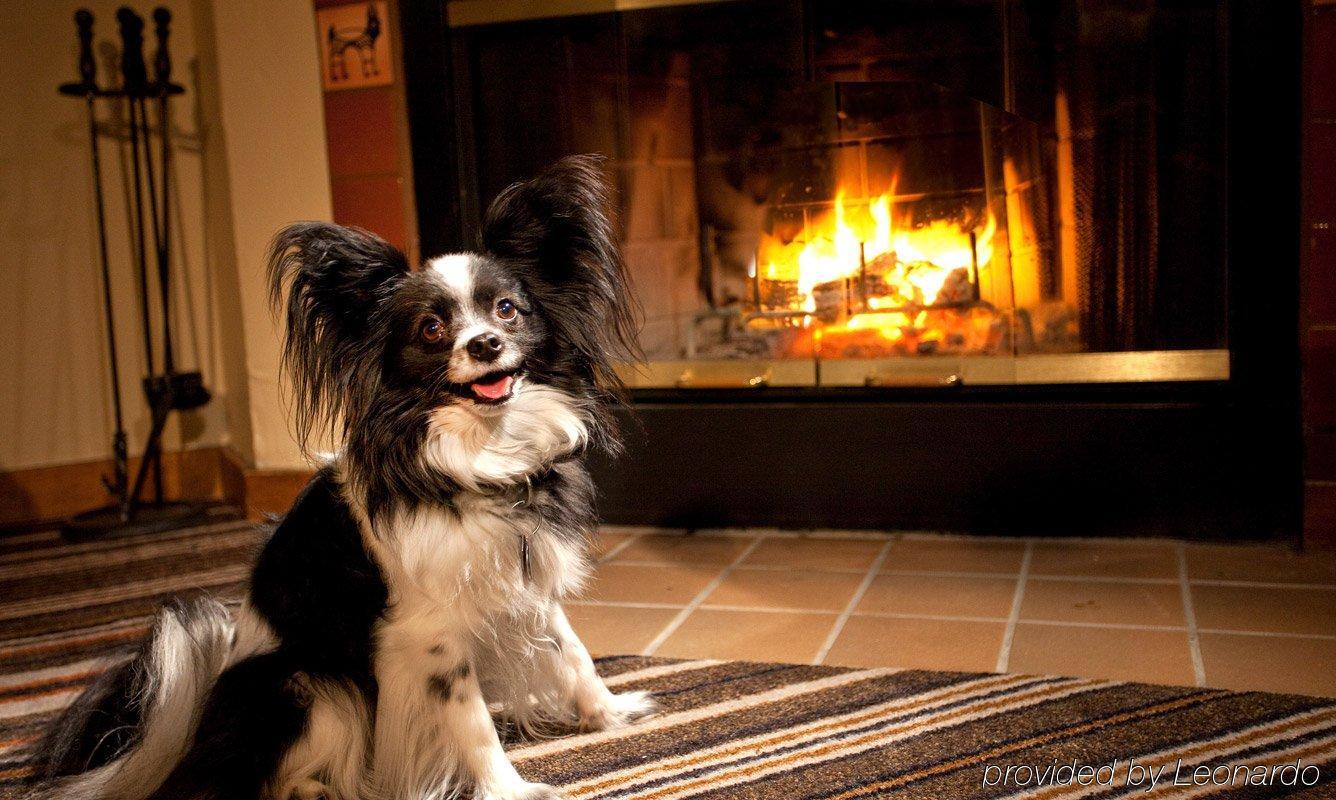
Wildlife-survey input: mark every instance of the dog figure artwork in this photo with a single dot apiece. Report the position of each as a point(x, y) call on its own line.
point(413, 591)
point(361, 41)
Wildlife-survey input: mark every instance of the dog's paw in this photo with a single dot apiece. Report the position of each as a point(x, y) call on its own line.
point(306, 789)
point(521, 791)
point(618, 711)
point(538, 791)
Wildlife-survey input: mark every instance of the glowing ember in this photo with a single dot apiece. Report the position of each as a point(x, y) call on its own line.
point(867, 283)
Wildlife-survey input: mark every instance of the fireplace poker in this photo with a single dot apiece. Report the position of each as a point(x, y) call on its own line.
point(87, 88)
point(134, 77)
point(162, 66)
point(136, 87)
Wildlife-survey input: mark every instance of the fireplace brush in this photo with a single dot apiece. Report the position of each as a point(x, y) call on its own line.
point(149, 213)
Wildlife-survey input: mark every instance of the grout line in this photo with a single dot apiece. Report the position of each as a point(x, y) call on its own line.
point(1106, 579)
point(828, 535)
point(620, 604)
point(829, 612)
point(928, 573)
point(1190, 617)
point(676, 622)
point(805, 569)
point(937, 573)
point(1056, 623)
point(1270, 634)
point(838, 627)
point(687, 562)
point(959, 618)
point(611, 554)
point(1263, 584)
point(1121, 626)
point(933, 617)
point(1004, 652)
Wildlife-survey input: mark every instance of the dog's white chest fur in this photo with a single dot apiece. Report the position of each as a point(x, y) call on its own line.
point(467, 564)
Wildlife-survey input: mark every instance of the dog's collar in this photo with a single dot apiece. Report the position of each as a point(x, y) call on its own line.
point(525, 483)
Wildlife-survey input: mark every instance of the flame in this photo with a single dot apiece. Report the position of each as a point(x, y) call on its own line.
point(909, 265)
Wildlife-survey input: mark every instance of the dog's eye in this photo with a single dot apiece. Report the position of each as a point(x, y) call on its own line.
point(431, 330)
point(505, 309)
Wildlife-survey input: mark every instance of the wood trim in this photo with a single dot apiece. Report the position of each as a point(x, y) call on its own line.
point(55, 492)
point(271, 492)
point(262, 493)
point(43, 494)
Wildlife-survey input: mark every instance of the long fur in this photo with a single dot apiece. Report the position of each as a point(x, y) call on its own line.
point(556, 232)
point(414, 586)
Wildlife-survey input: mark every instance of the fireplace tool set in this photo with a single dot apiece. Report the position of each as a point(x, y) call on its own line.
point(165, 388)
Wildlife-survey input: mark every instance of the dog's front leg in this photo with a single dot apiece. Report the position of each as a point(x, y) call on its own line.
point(434, 736)
point(598, 708)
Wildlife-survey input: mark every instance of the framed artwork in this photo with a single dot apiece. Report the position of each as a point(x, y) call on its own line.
point(355, 45)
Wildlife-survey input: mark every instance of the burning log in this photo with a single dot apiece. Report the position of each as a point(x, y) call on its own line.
point(958, 288)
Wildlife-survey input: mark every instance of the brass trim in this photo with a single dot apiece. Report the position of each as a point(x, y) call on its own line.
point(464, 13)
point(717, 374)
point(1138, 367)
point(1154, 366)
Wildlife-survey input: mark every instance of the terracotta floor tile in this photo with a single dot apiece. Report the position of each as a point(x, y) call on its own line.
point(1270, 664)
point(617, 630)
point(1264, 563)
point(955, 555)
point(1311, 611)
point(685, 549)
point(808, 553)
point(828, 591)
point(625, 583)
point(1115, 653)
point(918, 644)
point(749, 636)
point(605, 542)
point(1104, 560)
point(1099, 602)
point(939, 595)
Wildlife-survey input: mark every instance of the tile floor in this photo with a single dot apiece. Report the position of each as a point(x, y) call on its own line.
point(1234, 616)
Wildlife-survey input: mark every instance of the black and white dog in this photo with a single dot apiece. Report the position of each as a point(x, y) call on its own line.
point(413, 589)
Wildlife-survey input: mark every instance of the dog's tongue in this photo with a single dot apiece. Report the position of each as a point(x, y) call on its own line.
point(495, 390)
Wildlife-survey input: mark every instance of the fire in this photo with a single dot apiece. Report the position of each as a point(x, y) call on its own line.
point(860, 269)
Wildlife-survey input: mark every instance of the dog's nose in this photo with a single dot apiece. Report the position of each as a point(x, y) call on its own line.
point(485, 347)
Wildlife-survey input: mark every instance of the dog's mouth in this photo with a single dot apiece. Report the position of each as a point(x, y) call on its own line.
point(492, 389)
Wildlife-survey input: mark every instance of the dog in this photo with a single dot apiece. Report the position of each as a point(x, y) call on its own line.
point(414, 587)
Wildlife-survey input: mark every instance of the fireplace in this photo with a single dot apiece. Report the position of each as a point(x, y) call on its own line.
point(965, 264)
point(844, 227)
point(869, 233)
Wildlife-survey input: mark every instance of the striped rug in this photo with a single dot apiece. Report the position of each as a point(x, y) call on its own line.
point(725, 729)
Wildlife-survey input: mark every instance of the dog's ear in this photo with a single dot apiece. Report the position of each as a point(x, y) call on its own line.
point(556, 229)
point(334, 276)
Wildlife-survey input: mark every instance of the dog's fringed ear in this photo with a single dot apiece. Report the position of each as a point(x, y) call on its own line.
point(556, 229)
point(333, 276)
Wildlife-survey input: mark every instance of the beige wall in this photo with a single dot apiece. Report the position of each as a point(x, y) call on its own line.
point(272, 120)
point(250, 158)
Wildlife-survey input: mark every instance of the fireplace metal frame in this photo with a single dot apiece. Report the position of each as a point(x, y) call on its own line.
point(1150, 366)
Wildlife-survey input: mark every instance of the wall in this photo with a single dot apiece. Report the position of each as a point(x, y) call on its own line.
point(270, 113)
point(250, 158)
point(54, 402)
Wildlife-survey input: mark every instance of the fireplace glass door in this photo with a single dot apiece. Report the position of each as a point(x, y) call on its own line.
point(882, 194)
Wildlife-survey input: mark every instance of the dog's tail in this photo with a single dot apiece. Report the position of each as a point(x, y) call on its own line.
point(125, 733)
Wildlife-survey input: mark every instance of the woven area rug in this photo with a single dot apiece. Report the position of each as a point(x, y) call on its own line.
point(727, 729)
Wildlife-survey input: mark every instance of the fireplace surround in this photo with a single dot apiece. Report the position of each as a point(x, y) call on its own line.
point(983, 265)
